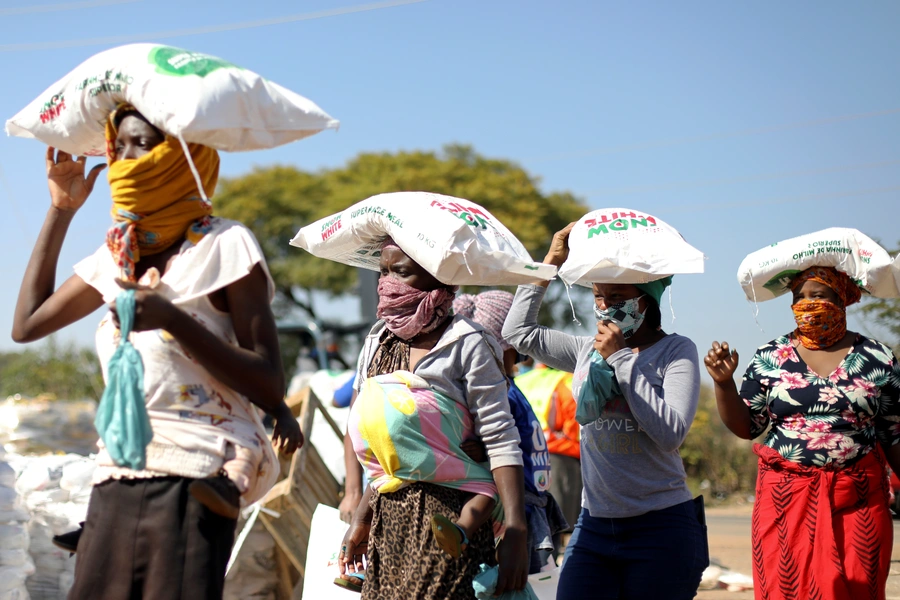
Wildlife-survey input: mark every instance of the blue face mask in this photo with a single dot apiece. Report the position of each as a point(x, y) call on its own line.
point(625, 315)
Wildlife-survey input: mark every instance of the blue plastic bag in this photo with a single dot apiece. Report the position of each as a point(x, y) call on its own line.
point(599, 386)
point(122, 420)
point(485, 583)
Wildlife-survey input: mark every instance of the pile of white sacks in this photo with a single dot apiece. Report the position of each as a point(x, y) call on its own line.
point(15, 563)
point(40, 496)
point(43, 496)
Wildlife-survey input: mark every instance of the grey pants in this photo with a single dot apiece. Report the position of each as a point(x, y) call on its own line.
point(565, 485)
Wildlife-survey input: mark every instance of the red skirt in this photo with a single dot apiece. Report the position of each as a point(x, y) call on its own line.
point(821, 533)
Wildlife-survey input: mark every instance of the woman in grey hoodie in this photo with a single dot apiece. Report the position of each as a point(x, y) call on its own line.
point(640, 534)
point(391, 533)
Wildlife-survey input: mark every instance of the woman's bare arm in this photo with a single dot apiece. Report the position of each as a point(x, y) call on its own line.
point(41, 310)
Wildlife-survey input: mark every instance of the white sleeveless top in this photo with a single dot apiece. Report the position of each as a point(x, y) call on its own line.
point(194, 417)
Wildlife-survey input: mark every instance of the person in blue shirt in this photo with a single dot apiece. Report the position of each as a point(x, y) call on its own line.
point(344, 394)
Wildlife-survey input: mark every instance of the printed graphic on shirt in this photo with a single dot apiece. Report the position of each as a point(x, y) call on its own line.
point(199, 403)
point(616, 431)
point(532, 443)
point(540, 458)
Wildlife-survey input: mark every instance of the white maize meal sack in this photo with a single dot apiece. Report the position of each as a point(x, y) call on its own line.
point(621, 245)
point(199, 97)
point(457, 241)
point(767, 273)
point(896, 269)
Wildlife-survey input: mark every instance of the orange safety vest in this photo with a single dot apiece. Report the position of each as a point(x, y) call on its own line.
point(549, 392)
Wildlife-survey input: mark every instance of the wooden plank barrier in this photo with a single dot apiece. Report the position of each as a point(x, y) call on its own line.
point(307, 483)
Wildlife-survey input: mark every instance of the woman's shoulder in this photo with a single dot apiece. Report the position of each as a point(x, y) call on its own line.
point(226, 252)
point(221, 252)
point(462, 330)
point(99, 270)
point(779, 342)
point(879, 351)
point(677, 343)
point(472, 341)
point(225, 231)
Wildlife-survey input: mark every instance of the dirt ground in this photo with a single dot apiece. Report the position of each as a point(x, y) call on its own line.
point(729, 545)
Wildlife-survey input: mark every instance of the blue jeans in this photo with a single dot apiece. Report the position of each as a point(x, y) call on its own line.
point(661, 554)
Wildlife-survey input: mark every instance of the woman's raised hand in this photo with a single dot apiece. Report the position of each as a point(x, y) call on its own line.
point(69, 187)
point(559, 247)
point(609, 339)
point(721, 362)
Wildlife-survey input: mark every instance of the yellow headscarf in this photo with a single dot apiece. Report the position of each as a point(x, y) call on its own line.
point(156, 200)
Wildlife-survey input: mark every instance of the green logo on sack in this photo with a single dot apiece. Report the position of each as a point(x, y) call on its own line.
point(618, 222)
point(782, 281)
point(178, 62)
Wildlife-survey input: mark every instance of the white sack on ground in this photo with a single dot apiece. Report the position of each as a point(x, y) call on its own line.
point(456, 240)
point(16, 564)
point(767, 273)
point(621, 245)
point(203, 98)
point(51, 510)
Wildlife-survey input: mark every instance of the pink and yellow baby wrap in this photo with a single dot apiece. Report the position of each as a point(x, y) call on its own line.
point(403, 432)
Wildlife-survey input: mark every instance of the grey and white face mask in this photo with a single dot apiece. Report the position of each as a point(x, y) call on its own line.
point(625, 315)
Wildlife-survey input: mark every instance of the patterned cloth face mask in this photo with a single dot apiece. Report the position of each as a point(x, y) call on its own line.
point(624, 314)
point(820, 323)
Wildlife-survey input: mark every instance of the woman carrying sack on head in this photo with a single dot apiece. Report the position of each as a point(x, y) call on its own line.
point(428, 381)
point(639, 535)
point(206, 336)
point(821, 524)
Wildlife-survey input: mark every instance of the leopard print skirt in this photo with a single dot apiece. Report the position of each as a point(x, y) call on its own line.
point(405, 561)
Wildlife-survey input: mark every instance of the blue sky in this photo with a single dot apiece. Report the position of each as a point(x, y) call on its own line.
point(739, 124)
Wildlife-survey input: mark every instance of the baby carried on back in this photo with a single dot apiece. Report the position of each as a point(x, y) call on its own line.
point(404, 431)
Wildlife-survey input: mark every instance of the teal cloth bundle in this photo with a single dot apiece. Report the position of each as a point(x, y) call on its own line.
point(485, 583)
point(122, 420)
point(597, 389)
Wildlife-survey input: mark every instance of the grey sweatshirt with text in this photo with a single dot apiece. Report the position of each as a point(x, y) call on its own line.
point(629, 456)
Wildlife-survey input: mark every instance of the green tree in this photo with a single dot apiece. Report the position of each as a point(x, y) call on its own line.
point(712, 453)
point(275, 202)
point(883, 315)
point(68, 373)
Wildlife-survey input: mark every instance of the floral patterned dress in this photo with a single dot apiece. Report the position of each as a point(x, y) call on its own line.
point(819, 421)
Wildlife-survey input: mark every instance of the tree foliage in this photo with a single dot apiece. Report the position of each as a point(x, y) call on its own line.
point(67, 373)
point(712, 453)
point(275, 202)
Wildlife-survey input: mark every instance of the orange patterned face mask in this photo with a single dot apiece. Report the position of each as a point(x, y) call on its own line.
point(820, 323)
